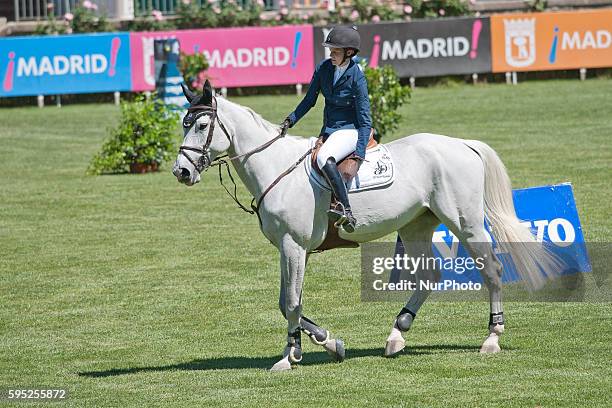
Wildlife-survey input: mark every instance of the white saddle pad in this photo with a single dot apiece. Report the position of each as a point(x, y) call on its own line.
point(375, 172)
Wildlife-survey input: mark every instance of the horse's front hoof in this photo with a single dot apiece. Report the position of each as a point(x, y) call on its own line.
point(282, 365)
point(335, 348)
point(491, 344)
point(393, 347)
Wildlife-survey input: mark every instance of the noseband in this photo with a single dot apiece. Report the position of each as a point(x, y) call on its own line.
point(193, 114)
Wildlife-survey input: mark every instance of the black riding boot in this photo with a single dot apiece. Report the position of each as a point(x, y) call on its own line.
point(341, 215)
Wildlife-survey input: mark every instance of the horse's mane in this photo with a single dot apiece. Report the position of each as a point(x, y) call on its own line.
point(263, 123)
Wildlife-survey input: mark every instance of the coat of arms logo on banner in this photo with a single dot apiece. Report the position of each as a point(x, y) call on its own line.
point(520, 42)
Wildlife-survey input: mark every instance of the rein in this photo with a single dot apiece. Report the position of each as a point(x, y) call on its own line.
point(204, 162)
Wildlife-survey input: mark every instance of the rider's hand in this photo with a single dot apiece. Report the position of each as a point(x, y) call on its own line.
point(286, 124)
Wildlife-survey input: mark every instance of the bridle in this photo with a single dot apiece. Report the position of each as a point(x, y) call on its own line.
point(193, 114)
point(204, 162)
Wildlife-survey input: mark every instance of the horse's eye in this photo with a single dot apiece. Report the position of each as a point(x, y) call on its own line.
point(201, 127)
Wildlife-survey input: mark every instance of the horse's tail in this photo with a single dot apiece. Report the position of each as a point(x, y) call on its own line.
point(533, 261)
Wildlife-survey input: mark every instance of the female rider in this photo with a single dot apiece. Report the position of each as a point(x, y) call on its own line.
point(346, 118)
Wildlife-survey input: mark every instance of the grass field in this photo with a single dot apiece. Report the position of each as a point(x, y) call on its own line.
point(137, 291)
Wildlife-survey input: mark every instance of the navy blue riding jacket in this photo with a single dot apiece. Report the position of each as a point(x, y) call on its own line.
point(346, 102)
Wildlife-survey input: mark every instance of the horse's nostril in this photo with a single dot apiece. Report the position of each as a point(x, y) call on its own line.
point(185, 174)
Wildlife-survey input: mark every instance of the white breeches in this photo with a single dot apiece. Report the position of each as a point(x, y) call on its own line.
point(338, 145)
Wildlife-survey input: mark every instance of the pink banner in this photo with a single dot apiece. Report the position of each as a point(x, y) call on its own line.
point(250, 56)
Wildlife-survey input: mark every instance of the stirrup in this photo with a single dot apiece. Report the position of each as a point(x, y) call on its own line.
point(342, 217)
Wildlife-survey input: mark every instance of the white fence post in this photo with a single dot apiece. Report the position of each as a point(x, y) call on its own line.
point(41, 100)
point(298, 89)
point(117, 96)
point(583, 73)
point(124, 9)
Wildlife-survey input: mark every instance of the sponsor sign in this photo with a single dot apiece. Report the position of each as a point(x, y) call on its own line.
point(550, 211)
point(548, 41)
point(252, 56)
point(65, 64)
point(423, 48)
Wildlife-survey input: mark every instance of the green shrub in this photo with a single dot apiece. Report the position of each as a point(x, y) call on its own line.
point(193, 67)
point(145, 136)
point(85, 20)
point(364, 11)
point(439, 8)
point(386, 96)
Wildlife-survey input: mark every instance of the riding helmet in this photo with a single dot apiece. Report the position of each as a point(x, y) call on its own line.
point(343, 37)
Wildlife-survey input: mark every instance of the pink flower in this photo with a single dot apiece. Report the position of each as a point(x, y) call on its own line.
point(94, 6)
point(472, 1)
point(263, 17)
point(442, 12)
point(87, 4)
point(216, 9)
point(310, 14)
point(282, 3)
point(407, 9)
point(211, 1)
point(68, 16)
point(284, 11)
point(354, 15)
point(375, 19)
point(186, 2)
point(50, 6)
point(278, 17)
point(261, 3)
point(304, 16)
point(157, 15)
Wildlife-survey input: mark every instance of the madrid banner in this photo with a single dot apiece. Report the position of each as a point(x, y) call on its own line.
point(423, 48)
point(66, 64)
point(251, 56)
point(549, 41)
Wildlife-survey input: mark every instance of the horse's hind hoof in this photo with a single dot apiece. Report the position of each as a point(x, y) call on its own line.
point(335, 348)
point(394, 347)
point(282, 365)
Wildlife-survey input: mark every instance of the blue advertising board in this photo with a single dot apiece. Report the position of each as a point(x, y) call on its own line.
point(550, 211)
point(65, 64)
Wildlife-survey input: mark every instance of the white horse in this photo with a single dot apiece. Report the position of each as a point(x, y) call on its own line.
point(438, 179)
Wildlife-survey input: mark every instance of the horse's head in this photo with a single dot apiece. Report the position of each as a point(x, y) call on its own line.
point(203, 141)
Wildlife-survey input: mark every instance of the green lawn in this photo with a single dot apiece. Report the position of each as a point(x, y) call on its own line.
point(135, 290)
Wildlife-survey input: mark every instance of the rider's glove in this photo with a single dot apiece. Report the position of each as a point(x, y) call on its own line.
point(286, 124)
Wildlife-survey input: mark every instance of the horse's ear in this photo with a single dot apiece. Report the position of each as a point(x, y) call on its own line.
point(207, 93)
point(187, 92)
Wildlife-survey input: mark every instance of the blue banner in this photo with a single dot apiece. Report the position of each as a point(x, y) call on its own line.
point(550, 211)
point(67, 64)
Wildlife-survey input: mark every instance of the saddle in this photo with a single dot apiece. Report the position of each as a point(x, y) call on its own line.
point(348, 168)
